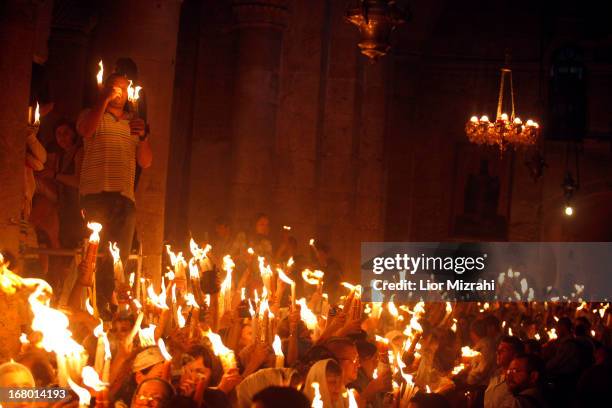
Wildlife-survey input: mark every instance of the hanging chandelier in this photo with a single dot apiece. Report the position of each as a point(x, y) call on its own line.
point(376, 20)
point(505, 130)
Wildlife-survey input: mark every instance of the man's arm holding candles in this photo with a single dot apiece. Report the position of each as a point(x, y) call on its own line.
point(89, 120)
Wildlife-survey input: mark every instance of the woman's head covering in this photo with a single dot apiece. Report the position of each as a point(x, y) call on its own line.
point(318, 374)
point(259, 380)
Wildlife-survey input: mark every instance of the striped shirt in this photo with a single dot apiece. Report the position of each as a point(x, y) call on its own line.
point(109, 160)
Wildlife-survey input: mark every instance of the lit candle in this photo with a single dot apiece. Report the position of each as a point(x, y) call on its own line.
point(88, 264)
point(100, 75)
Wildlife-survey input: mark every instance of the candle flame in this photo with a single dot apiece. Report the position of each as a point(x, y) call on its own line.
point(131, 279)
point(217, 344)
point(198, 252)
point(286, 227)
point(175, 258)
point(137, 303)
point(190, 300)
point(392, 309)
point(277, 347)
point(163, 350)
point(312, 242)
point(133, 92)
point(317, 402)
point(290, 262)
point(250, 251)
point(37, 115)
point(114, 250)
point(100, 74)
point(83, 394)
point(146, 335)
point(428, 390)
point(466, 351)
point(88, 307)
point(95, 228)
point(158, 301)
point(92, 380)
point(352, 402)
point(194, 272)
point(180, 319)
point(307, 316)
point(284, 278)
point(312, 277)
point(552, 334)
point(459, 368)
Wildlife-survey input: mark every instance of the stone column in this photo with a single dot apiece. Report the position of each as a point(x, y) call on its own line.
point(146, 31)
point(17, 19)
point(258, 32)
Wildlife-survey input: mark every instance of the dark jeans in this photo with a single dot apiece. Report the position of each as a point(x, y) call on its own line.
point(117, 214)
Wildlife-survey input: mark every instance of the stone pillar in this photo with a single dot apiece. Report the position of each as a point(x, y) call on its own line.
point(258, 32)
point(17, 19)
point(146, 31)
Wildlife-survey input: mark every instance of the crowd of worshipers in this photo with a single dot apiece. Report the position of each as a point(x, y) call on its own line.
point(519, 362)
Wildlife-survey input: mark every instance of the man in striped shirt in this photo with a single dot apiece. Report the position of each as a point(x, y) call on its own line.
point(114, 140)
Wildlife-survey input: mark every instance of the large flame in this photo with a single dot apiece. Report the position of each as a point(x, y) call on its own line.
point(352, 402)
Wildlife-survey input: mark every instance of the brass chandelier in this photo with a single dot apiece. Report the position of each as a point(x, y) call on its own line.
point(376, 20)
point(505, 130)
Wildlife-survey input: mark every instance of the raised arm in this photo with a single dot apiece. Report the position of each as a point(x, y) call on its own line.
point(89, 120)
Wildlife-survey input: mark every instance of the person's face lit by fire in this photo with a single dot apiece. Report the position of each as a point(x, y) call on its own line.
point(65, 137)
point(369, 364)
point(334, 386)
point(151, 394)
point(246, 336)
point(262, 226)
point(349, 362)
point(122, 84)
point(518, 376)
point(505, 354)
point(121, 329)
point(222, 230)
point(193, 372)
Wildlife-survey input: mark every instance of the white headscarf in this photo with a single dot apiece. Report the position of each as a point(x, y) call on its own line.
point(264, 378)
point(318, 374)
